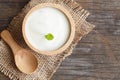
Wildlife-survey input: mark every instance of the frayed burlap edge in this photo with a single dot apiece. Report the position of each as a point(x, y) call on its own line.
point(82, 28)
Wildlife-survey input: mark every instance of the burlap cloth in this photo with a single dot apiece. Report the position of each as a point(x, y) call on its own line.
point(47, 64)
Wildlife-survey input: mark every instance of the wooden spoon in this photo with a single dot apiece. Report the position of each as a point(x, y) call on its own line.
point(24, 59)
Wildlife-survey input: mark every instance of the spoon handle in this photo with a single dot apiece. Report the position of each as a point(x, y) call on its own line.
point(6, 36)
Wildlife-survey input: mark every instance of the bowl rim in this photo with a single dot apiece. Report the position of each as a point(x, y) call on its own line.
point(71, 22)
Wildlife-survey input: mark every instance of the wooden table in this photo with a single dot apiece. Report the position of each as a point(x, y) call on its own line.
point(97, 56)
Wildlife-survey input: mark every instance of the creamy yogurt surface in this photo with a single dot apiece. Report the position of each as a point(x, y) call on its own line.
point(44, 21)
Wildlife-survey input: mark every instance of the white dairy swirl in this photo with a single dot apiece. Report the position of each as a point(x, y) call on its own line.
point(43, 21)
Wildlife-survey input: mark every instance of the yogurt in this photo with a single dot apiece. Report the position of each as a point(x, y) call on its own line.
point(47, 20)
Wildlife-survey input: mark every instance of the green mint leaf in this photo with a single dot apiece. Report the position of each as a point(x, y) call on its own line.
point(49, 36)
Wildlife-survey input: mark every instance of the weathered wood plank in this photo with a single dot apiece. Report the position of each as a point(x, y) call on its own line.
point(16, 1)
point(9, 10)
point(97, 55)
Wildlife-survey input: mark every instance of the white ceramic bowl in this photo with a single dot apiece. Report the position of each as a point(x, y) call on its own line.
point(50, 20)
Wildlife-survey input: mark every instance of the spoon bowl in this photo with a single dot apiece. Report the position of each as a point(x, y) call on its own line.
point(25, 61)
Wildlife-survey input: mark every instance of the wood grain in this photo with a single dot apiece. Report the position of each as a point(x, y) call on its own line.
point(97, 55)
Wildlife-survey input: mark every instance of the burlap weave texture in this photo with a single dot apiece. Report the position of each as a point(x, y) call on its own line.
point(47, 64)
